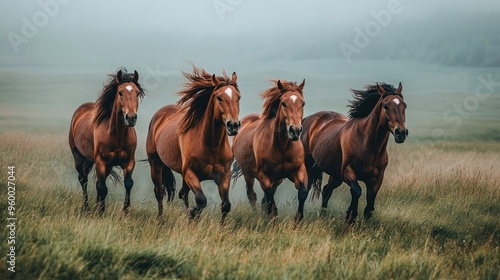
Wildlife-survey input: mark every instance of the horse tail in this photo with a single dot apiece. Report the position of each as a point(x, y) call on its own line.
point(115, 176)
point(168, 180)
point(236, 172)
point(314, 179)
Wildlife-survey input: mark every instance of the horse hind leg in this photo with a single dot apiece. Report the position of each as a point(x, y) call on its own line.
point(168, 181)
point(252, 196)
point(327, 192)
point(156, 177)
point(83, 167)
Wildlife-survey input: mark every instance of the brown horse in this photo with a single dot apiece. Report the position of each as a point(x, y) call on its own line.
point(354, 148)
point(102, 133)
point(191, 138)
point(267, 147)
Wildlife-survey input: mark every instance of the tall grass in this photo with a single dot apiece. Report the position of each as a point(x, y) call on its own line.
point(437, 217)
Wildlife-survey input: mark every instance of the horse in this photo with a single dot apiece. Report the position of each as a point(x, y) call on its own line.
point(191, 138)
point(352, 149)
point(268, 147)
point(103, 134)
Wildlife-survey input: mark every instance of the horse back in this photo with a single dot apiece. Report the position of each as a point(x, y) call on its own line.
point(81, 136)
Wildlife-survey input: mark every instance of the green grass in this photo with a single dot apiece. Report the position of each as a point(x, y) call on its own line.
point(437, 216)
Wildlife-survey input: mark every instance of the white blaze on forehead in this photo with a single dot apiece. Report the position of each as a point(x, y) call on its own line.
point(395, 100)
point(229, 92)
point(129, 88)
point(294, 98)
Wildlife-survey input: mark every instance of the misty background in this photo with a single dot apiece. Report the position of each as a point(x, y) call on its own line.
point(55, 55)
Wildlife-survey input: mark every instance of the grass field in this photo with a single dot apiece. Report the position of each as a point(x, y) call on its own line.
point(437, 215)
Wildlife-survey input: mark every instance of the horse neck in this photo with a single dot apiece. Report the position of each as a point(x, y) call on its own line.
point(376, 131)
point(213, 131)
point(280, 138)
point(117, 126)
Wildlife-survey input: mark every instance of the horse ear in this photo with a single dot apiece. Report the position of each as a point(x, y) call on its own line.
point(400, 88)
point(215, 81)
point(119, 76)
point(234, 77)
point(301, 86)
point(381, 90)
point(280, 86)
point(136, 76)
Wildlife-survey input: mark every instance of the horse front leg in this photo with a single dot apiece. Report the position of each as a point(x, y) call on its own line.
point(300, 181)
point(223, 181)
point(128, 169)
point(102, 172)
point(192, 181)
point(372, 188)
point(350, 179)
point(269, 189)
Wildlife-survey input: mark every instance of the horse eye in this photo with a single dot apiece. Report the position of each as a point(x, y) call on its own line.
point(303, 104)
point(120, 93)
point(283, 104)
point(405, 105)
point(219, 99)
point(386, 106)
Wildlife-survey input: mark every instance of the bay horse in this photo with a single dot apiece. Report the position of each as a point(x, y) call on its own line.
point(354, 149)
point(267, 147)
point(103, 134)
point(191, 138)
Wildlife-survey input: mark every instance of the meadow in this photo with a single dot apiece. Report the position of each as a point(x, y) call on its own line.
point(437, 215)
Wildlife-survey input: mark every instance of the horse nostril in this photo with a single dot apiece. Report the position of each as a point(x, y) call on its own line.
point(300, 129)
point(406, 132)
point(397, 131)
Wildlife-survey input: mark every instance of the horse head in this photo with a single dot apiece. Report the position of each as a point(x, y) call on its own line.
point(128, 96)
point(227, 103)
point(394, 112)
point(292, 109)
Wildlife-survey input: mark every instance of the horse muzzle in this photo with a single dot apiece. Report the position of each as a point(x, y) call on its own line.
point(400, 134)
point(130, 120)
point(233, 127)
point(294, 132)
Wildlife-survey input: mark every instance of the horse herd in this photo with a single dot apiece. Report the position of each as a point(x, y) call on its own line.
point(191, 138)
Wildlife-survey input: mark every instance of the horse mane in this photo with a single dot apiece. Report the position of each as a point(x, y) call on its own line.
point(273, 95)
point(196, 95)
point(365, 100)
point(106, 99)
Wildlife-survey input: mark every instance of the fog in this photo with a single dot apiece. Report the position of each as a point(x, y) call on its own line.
point(55, 55)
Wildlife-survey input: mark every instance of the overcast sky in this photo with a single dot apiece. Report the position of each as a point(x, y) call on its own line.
point(69, 32)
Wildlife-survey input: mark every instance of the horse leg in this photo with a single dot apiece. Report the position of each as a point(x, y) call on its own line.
point(128, 183)
point(252, 196)
point(184, 194)
point(194, 185)
point(333, 183)
point(156, 176)
point(300, 181)
point(352, 211)
point(83, 167)
point(372, 188)
point(269, 189)
point(102, 171)
point(223, 186)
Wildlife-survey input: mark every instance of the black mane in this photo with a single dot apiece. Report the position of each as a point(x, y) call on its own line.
point(105, 101)
point(365, 100)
